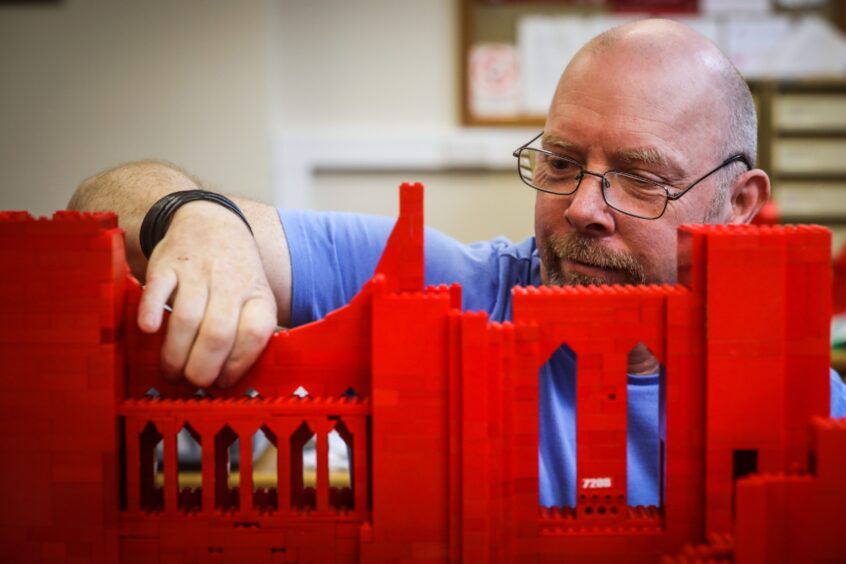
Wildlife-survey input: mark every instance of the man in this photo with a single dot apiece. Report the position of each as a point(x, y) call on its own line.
point(650, 127)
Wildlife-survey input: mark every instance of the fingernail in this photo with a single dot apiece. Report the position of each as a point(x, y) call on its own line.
point(147, 321)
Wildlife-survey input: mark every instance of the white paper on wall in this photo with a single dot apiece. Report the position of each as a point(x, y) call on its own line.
point(780, 47)
point(710, 27)
point(546, 44)
point(814, 48)
point(749, 41)
point(733, 6)
point(494, 75)
point(800, 3)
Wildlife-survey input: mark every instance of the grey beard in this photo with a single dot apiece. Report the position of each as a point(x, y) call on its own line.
point(587, 250)
point(557, 277)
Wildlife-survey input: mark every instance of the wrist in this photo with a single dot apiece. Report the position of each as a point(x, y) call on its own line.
point(159, 218)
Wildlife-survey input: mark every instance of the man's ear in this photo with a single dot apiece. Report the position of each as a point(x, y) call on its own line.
point(748, 195)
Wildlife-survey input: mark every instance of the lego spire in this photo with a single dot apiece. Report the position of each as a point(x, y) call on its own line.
point(402, 261)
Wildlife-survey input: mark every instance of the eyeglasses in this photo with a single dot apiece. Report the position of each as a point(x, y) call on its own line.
point(627, 193)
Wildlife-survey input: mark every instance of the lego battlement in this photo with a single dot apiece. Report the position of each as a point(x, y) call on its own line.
point(64, 278)
point(236, 407)
point(808, 244)
point(66, 222)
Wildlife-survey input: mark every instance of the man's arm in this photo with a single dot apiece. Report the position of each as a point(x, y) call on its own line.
point(229, 289)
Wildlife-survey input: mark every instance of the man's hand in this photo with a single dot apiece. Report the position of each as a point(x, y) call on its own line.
point(228, 289)
point(223, 308)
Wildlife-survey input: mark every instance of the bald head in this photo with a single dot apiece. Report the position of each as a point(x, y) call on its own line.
point(659, 60)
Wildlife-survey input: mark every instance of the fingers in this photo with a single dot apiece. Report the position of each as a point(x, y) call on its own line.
point(214, 341)
point(160, 286)
point(255, 327)
point(189, 309)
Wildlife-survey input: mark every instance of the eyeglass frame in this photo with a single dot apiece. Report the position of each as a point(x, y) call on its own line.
point(733, 159)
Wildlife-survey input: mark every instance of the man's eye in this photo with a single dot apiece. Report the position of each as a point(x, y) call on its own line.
point(641, 182)
point(636, 186)
point(559, 166)
point(646, 178)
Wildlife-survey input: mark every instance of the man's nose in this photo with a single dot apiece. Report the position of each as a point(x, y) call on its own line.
point(588, 211)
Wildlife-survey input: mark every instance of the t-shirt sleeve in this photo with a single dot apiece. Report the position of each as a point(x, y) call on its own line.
point(334, 254)
point(838, 396)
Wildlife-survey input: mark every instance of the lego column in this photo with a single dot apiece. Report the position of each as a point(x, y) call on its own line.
point(62, 292)
point(768, 310)
point(409, 435)
point(808, 308)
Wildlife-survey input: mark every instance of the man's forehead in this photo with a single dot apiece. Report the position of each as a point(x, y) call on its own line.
point(677, 89)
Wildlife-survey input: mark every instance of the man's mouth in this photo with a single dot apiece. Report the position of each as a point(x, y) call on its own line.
point(600, 273)
point(575, 259)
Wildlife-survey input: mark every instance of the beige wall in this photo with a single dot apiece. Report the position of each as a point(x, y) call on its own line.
point(367, 65)
point(87, 84)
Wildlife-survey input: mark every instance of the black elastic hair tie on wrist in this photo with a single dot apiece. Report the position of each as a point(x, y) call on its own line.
point(157, 220)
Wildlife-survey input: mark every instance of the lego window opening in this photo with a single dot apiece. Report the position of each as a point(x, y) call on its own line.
point(265, 474)
point(189, 456)
point(644, 418)
point(152, 469)
point(303, 468)
point(340, 465)
point(744, 462)
point(234, 475)
point(225, 469)
point(557, 429)
point(123, 498)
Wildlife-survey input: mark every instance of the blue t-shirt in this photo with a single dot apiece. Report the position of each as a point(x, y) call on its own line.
point(334, 254)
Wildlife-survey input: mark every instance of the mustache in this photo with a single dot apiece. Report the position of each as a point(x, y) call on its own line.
point(577, 247)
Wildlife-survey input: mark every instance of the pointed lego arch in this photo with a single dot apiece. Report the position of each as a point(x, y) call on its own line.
point(303, 493)
point(226, 496)
point(152, 491)
point(265, 470)
point(340, 466)
point(189, 457)
point(558, 377)
point(646, 387)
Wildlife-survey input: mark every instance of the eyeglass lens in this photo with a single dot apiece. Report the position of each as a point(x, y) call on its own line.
point(629, 194)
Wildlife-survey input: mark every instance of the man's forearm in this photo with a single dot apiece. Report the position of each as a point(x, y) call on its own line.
point(130, 190)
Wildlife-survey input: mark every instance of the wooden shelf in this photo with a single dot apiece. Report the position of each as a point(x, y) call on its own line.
point(810, 176)
point(519, 121)
point(807, 85)
point(838, 220)
point(815, 133)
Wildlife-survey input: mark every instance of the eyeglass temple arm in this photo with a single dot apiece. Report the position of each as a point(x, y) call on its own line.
point(516, 152)
point(724, 164)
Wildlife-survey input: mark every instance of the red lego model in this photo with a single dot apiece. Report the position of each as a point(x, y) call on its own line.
point(438, 408)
